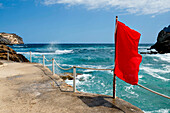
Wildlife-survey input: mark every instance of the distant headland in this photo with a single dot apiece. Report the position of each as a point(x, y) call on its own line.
point(163, 41)
point(7, 52)
point(10, 39)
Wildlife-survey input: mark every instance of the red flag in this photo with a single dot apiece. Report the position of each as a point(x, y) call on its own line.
point(127, 59)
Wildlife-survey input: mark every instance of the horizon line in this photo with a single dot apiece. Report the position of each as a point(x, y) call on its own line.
point(77, 43)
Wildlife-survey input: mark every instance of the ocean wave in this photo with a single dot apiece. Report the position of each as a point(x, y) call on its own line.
point(156, 70)
point(153, 72)
point(87, 70)
point(81, 50)
point(156, 60)
point(140, 76)
point(80, 79)
point(83, 77)
point(163, 57)
point(129, 89)
point(166, 67)
point(69, 82)
point(147, 64)
point(51, 53)
point(36, 53)
point(89, 66)
point(158, 111)
point(19, 46)
point(63, 51)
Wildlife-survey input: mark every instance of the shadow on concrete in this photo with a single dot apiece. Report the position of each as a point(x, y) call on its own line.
point(98, 101)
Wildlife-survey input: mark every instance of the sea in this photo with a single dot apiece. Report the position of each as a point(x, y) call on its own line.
point(154, 71)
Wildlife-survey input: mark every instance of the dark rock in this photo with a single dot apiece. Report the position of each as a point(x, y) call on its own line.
point(10, 38)
point(163, 41)
point(13, 56)
point(150, 52)
point(68, 76)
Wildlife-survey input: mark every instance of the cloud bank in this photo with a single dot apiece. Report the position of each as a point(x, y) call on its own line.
point(129, 6)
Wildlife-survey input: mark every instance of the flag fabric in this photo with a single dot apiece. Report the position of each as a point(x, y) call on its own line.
point(127, 59)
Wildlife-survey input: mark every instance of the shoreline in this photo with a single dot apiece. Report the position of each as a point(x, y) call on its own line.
point(32, 90)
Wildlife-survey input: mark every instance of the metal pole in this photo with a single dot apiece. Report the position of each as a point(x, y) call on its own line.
point(53, 67)
point(30, 57)
point(114, 86)
point(43, 60)
point(8, 55)
point(74, 79)
point(114, 76)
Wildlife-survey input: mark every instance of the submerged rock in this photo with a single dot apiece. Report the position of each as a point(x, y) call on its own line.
point(68, 76)
point(13, 56)
point(163, 41)
point(10, 38)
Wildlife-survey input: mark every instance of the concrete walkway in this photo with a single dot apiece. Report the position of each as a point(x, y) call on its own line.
point(31, 88)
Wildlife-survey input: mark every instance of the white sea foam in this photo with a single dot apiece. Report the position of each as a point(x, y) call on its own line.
point(63, 51)
point(129, 89)
point(83, 77)
point(86, 66)
point(88, 70)
point(89, 66)
point(140, 76)
point(158, 111)
point(147, 64)
point(56, 52)
point(153, 72)
point(70, 82)
point(18, 46)
point(164, 57)
point(80, 79)
point(166, 67)
point(36, 53)
point(156, 60)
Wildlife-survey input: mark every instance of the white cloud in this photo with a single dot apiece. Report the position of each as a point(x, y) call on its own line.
point(130, 6)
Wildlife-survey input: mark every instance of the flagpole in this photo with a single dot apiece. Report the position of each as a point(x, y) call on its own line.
point(114, 76)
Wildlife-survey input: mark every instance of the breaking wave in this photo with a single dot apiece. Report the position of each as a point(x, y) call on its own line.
point(158, 111)
point(63, 51)
point(153, 72)
point(50, 53)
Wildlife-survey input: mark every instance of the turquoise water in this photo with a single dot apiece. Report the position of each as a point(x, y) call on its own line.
point(154, 72)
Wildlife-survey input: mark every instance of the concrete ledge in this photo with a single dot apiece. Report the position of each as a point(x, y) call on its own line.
point(30, 87)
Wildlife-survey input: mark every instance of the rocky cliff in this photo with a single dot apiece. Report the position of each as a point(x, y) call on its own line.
point(163, 41)
point(10, 38)
point(13, 56)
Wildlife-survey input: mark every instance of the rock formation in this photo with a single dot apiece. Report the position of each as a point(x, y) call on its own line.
point(13, 56)
point(8, 39)
point(68, 76)
point(163, 41)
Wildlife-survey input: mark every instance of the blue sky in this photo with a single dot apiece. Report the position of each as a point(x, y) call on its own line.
point(82, 21)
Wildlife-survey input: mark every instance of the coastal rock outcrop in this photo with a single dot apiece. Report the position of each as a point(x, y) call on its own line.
point(163, 41)
point(10, 38)
point(68, 76)
point(13, 56)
